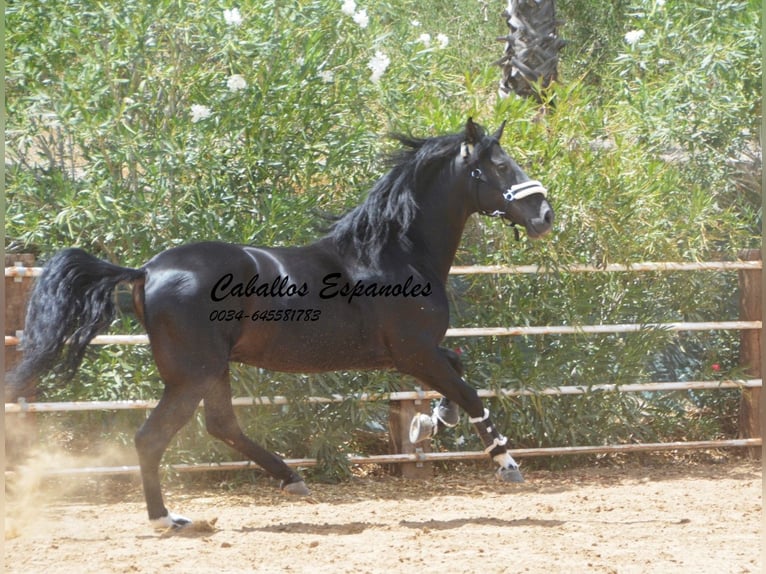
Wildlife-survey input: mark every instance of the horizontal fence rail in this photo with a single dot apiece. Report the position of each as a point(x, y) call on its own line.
point(18, 273)
point(502, 331)
point(24, 407)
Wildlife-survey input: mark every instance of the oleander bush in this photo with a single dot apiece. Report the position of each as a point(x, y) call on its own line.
point(136, 126)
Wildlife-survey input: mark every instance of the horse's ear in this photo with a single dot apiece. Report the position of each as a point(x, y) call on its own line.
point(472, 132)
point(499, 133)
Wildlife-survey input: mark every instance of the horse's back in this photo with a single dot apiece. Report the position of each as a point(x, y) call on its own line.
point(301, 309)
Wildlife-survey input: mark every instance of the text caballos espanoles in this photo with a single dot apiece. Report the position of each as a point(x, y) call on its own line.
point(333, 285)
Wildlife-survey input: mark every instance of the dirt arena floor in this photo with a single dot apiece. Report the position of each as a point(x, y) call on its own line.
point(679, 516)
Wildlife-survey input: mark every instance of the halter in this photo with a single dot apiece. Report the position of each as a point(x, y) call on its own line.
point(510, 194)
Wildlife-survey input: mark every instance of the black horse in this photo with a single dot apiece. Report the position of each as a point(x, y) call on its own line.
point(370, 294)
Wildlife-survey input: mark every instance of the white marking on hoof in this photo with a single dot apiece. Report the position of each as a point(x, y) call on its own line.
point(296, 489)
point(505, 460)
point(170, 521)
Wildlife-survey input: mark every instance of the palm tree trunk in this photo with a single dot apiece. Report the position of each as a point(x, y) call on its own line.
point(530, 63)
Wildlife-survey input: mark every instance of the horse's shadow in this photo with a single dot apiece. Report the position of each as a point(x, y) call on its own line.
point(346, 528)
point(325, 529)
point(480, 521)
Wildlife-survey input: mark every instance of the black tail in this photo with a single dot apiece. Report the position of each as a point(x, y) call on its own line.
point(70, 303)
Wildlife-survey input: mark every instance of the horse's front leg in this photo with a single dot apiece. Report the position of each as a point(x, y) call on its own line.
point(495, 445)
point(444, 375)
point(446, 414)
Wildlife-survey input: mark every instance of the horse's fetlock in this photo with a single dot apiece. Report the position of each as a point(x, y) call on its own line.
point(447, 413)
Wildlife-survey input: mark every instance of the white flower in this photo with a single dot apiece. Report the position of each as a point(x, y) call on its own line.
point(361, 18)
point(660, 3)
point(236, 83)
point(348, 8)
point(634, 36)
point(425, 39)
point(199, 113)
point(443, 40)
point(378, 64)
point(232, 17)
point(326, 76)
point(415, 23)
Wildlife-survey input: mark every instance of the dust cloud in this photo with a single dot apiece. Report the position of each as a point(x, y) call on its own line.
point(38, 475)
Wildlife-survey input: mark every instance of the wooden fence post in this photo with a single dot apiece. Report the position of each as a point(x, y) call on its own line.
point(750, 349)
point(400, 414)
point(17, 292)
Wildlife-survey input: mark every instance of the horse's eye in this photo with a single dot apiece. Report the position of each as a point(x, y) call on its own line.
point(501, 167)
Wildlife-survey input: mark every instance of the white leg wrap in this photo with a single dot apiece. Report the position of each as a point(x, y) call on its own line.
point(499, 441)
point(483, 417)
point(422, 427)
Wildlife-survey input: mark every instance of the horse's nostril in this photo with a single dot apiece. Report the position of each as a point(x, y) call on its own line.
point(548, 217)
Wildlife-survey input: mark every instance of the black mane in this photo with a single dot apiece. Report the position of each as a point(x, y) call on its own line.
point(392, 203)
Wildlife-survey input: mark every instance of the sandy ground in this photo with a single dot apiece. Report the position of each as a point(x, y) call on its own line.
point(674, 517)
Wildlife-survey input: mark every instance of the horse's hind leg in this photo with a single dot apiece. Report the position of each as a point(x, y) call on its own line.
point(174, 410)
point(222, 423)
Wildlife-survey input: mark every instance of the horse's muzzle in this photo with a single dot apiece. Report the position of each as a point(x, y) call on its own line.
point(542, 223)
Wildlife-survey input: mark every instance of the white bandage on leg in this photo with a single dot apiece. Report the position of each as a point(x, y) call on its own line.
point(499, 441)
point(483, 417)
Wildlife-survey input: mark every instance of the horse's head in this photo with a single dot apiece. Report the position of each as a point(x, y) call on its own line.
point(500, 187)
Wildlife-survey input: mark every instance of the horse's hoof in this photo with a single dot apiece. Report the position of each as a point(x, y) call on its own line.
point(173, 521)
point(509, 475)
point(421, 428)
point(296, 488)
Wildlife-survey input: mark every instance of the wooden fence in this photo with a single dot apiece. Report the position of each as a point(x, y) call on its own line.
point(414, 459)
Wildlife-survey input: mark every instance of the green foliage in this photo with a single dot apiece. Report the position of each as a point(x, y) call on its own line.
point(137, 126)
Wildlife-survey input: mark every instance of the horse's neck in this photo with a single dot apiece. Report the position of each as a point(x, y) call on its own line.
point(436, 234)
